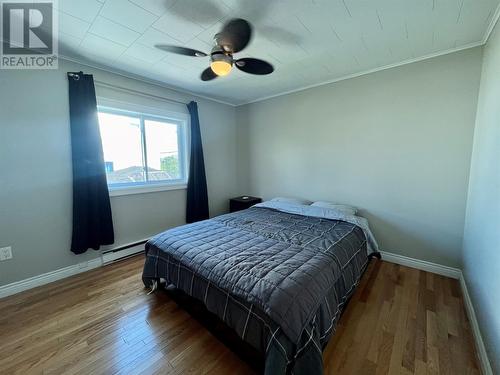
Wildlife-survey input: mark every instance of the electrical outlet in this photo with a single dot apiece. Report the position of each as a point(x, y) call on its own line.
point(5, 253)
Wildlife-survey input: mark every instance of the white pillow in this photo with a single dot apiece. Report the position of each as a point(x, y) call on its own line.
point(291, 200)
point(348, 210)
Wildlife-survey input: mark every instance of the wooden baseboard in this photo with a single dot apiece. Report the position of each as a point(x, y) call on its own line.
point(423, 265)
point(476, 332)
point(49, 277)
point(454, 273)
point(62, 273)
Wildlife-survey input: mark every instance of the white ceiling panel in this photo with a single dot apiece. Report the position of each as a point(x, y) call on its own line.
point(113, 31)
point(152, 37)
point(177, 27)
point(158, 7)
point(201, 12)
point(207, 35)
point(95, 45)
point(163, 67)
point(128, 14)
point(72, 26)
point(144, 53)
point(259, 12)
point(309, 42)
point(68, 43)
point(195, 63)
point(85, 10)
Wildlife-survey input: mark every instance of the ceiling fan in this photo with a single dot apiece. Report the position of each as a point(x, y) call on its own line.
point(234, 37)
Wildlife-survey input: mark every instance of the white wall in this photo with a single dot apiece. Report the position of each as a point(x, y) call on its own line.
point(481, 253)
point(396, 144)
point(35, 170)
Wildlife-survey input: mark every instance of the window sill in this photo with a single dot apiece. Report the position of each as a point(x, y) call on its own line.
point(143, 189)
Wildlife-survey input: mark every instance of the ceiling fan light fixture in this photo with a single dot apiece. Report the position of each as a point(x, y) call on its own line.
point(221, 68)
point(234, 37)
point(221, 64)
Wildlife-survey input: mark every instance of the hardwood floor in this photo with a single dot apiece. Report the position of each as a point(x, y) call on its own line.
point(400, 321)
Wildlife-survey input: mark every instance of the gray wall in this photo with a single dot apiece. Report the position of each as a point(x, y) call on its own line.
point(35, 170)
point(396, 144)
point(481, 253)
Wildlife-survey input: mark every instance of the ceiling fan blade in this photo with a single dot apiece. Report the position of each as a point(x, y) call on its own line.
point(235, 35)
point(208, 74)
point(254, 66)
point(181, 50)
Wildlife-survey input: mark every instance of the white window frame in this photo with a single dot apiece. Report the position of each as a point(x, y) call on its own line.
point(146, 113)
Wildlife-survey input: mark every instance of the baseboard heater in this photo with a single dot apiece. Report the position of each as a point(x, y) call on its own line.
point(123, 251)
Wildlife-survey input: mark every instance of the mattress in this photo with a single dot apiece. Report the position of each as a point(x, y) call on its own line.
point(279, 279)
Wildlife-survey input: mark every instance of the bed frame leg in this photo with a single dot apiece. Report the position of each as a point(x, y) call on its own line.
point(154, 287)
point(376, 255)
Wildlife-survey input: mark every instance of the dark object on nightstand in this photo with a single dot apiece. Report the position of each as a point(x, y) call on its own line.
point(242, 203)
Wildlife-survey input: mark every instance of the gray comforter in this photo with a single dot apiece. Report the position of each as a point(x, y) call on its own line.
point(294, 271)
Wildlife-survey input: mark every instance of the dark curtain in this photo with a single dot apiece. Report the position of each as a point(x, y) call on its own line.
point(92, 220)
point(197, 196)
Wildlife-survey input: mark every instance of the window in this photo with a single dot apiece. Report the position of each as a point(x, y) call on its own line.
point(142, 152)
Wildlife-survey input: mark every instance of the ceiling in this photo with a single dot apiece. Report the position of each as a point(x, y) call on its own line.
point(309, 42)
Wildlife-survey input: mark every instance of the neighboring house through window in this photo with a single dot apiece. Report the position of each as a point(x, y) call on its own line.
point(142, 151)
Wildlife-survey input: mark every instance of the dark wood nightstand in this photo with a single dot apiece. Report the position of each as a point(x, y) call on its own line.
point(242, 203)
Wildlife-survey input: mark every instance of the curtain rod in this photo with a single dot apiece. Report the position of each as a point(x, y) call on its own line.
point(136, 92)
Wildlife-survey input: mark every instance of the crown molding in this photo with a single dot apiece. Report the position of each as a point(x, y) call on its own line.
point(365, 72)
point(484, 40)
point(142, 79)
point(491, 25)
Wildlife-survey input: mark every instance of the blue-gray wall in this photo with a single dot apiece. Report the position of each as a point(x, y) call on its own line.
point(35, 169)
point(397, 144)
point(481, 251)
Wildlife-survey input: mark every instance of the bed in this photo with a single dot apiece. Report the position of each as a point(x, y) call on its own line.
point(277, 274)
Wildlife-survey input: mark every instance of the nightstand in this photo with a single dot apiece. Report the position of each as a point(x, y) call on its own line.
point(242, 203)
